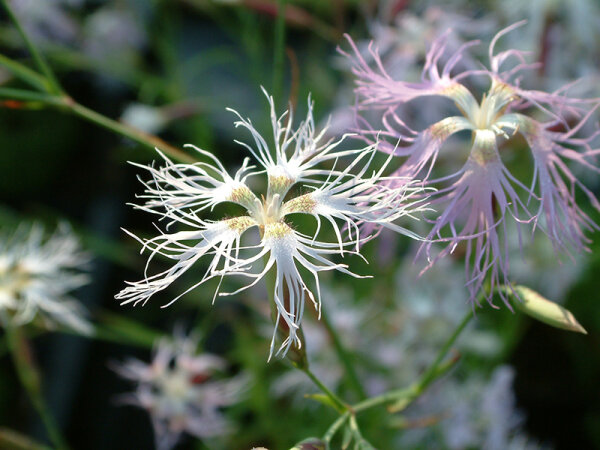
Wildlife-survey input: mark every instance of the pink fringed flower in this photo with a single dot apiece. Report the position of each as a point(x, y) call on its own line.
point(474, 202)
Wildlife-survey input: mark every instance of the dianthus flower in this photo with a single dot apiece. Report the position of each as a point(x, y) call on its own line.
point(37, 274)
point(342, 197)
point(178, 392)
point(475, 200)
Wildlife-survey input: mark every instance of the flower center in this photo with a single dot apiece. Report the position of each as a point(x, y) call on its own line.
point(175, 385)
point(484, 147)
point(268, 210)
point(13, 279)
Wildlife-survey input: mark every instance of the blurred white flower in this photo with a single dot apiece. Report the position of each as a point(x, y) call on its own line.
point(410, 336)
point(474, 412)
point(541, 270)
point(563, 35)
point(342, 198)
point(37, 274)
point(114, 34)
point(177, 390)
point(48, 19)
point(403, 44)
point(144, 117)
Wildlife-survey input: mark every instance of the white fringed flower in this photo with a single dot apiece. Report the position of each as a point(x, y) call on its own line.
point(177, 390)
point(37, 274)
point(344, 198)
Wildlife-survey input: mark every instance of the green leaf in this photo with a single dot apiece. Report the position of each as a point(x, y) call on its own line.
point(115, 328)
point(347, 438)
point(122, 329)
point(400, 404)
point(322, 398)
point(25, 74)
point(10, 439)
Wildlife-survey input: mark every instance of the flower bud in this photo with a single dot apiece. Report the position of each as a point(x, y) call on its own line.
point(542, 309)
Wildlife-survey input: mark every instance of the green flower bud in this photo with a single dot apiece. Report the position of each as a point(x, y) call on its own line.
point(542, 309)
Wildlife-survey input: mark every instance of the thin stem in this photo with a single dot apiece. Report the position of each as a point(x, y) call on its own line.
point(361, 442)
point(66, 103)
point(432, 373)
point(24, 73)
point(343, 356)
point(279, 51)
point(382, 399)
point(31, 96)
point(338, 403)
point(132, 133)
point(335, 426)
point(30, 379)
point(37, 56)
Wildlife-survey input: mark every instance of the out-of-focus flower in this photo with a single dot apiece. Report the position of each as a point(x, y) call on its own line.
point(564, 36)
point(144, 117)
point(179, 192)
point(475, 200)
point(540, 269)
point(402, 46)
point(114, 34)
point(478, 412)
point(48, 19)
point(408, 338)
point(37, 274)
point(178, 392)
point(154, 119)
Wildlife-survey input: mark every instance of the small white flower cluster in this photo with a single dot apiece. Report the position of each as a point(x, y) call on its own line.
point(177, 391)
point(37, 274)
point(350, 195)
point(477, 412)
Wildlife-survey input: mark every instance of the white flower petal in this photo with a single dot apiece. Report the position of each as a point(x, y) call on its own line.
point(221, 239)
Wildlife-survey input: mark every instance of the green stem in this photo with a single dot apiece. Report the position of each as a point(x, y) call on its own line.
point(432, 373)
point(382, 399)
point(66, 103)
point(343, 356)
point(132, 133)
point(54, 86)
point(279, 51)
point(338, 402)
point(25, 74)
point(360, 441)
point(31, 96)
point(335, 426)
point(30, 379)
